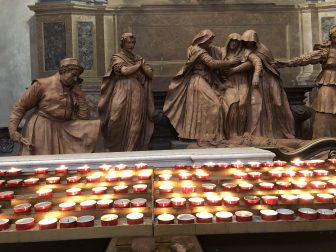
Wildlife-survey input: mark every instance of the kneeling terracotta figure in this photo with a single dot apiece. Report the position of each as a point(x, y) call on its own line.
point(59, 123)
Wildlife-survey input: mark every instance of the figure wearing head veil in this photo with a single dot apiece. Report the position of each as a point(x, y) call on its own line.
point(269, 114)
point(192, 105)
point(238, 79)
point(126, 105)
point(324, 104)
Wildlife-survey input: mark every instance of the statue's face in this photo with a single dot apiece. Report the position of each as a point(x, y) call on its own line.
point(69, 78)
point(333, 37)
point(234, 43)
point(129, 44)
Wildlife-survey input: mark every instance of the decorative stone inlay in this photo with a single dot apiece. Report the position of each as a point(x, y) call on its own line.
point(326, 24)
point(85, 44)
point(54, 44)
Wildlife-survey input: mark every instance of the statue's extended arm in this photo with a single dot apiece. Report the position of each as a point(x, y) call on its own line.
point(128, 70)
point(212, 63)
point(315, 57)
point(257, 64)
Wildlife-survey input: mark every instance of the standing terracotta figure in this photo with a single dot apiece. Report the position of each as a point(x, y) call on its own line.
point(126, 106)
point(192, 105)
point(325, 102)
point(236, 95)
point(59, 123)
point(269, 114)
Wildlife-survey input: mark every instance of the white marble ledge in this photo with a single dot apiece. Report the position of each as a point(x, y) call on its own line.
point(158, 158)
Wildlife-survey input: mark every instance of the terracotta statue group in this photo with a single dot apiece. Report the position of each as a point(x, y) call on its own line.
point(220, 93)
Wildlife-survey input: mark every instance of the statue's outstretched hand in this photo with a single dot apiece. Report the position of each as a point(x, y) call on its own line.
point(281, 63)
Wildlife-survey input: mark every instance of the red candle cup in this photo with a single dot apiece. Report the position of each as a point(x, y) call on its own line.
point(307, 213)
point(306, 198)
point(74, 191)
point(298, 163)
point(288, 174)
point(223, 216)
point(138, 202)
point(306, 173)
point(140, 188)
point(120, 167)
point(104, 204)
point(180, 166)
point(320, 173)
point(243, 187)
point(332, 183)
point(185, 219)
point(231, 200)
point(105, 167)
point(188, 188)
point(285, 214)
point(163, 202)
point(254, 175)
point(62, 169)
point(299, 184)
point(242, 216)
point(289, 199)
point(325, 214)
point(7, 195)
point(166, 219)
point(210, 165)
point(178, 202)
point(73, 179)
point(165, 177)
point(53, 180)
point(22, 208)
point(185, 176)
point(135, 218)
point(251, 200)
point(88, 204)
point(94, 178)
point(4, 224)
point(68, 222)
point(3, 172)
point(25, 223)
point(266, 186)
point(140, 166)
point(2, 182)
point(109, 220)
point(43, 206)
point(325, 197)
point(111, 177)
point(42, 170)
point(280, 163)
point(223, 165)
point(85, 221)
point(14, 172)
point(31, 181)
point(240, 175)
point(229, 187)
point(214, 200)
point(145, 174)
point(332, 161)
point(44, 193)
point(67, 206)
point(267, 164)
point(270, 199)
point(14, 182)
point(204, 217)
point(275, 173)
point(48, 223)
point(209, 187)
point(83, 169)
point(237, 164)
point(121, 203)
point(318, 184)
point(283, 185)
point(315, 162)
point(254, 164)
point(268, 215)
point(120, 189)
point(99, 190)
point(196, 166)
point(201, 175)
point(196, 201)
point(126, 175)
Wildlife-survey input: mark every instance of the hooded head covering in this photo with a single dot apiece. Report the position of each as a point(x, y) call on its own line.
point(202, 37)
point(232, 36)
point(332, 30)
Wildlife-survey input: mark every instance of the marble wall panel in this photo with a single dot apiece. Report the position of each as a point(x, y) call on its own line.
point(85, 44)
point(326, 24)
